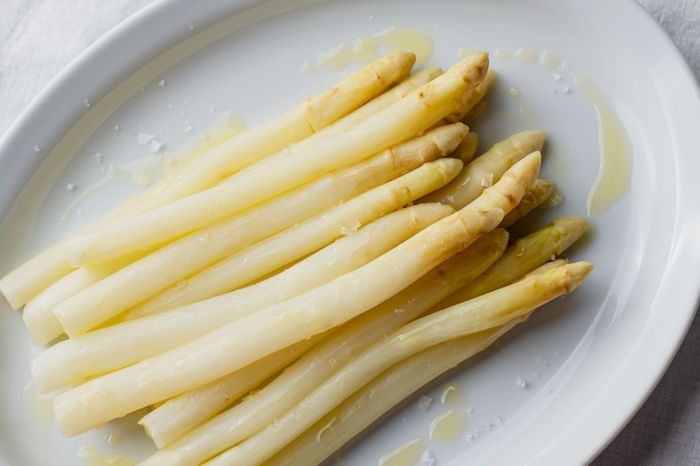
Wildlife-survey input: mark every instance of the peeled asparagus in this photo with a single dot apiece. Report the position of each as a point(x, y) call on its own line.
point(73, 361)
point(487, 169)
point(210, 356)
point(539, 192)
point(475, 98)
point(169, 265)
point(485, 312)
point(221, 159)
point(321, 362)
point(385, 391)
point(523, 256)
point(285, 211)
point(287, 169)
point(42, 324)
point(394, 94)
point(266, 256)
point(467, 148)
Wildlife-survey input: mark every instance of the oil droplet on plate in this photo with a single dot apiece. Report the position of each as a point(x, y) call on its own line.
point(405, 455)
point(466, 51)
point(526, 55)
point(94, 457)
point(549, 59)
point(453, 395)
point(365, 49)
point(448, 426)
point(501, 54)
point(614, 171)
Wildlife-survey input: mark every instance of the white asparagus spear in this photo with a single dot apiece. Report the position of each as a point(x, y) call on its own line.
point(487, 169)
point(485, 312)
point(196, 406)
point(86, 310)
point(385, 391)
point(73, 361)
point(475, 97)
point(169, 265)
point(237, 269)
point(539, 192)
point(289, 168)
point(523, 256)
point(401, 90)
point(222, 158)
point(43, 325)
point(467, 148)
point(210, 357)
point(321, 362)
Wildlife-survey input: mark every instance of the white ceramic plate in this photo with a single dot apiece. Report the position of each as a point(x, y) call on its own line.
point(606, 345)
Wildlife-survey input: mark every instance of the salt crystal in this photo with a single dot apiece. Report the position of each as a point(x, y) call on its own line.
point(566, 89)
point(487, 180)
point(116, 127)
point(514, 92)
point(144, 138)
point(424, 402)
point(37, 149)
point(428, 458)
point(556, 76)
point(161, 83)
point(70, 187)
point(522, 383)
point(155, 146)
point(98, 157)
point(188, 127)
point(86, 102)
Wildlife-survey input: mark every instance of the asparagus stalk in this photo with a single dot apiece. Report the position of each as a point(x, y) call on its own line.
point(86, 310)
point(487, 169)
point(523, 256)
point(73, 361)
point(385, 391)
point(467, 148)
point(539, 192)
point(222, 158)
point(485, 312)
point(475, 98)
point(289, 168)
point(293, 208)
point(142, 279)
point(42, 324)
point(394, 94)
point(301, 378)
point(210, 357)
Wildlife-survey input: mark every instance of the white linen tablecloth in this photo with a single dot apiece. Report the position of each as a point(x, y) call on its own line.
point(38, 38)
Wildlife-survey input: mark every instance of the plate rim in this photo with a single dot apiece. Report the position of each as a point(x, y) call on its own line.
point(589, 437)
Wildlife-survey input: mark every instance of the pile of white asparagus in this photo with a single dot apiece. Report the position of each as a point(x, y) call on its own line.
point(288, 285)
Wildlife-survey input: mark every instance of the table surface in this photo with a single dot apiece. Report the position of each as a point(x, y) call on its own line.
point(38, 38)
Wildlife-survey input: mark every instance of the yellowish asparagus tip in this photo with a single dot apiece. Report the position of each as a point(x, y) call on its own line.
point(572, 228)
point(573, 274)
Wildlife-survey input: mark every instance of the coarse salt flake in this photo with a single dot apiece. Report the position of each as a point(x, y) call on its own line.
point(144, 138)
point(428, 458)
point(522, 383)
point(424, 402)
